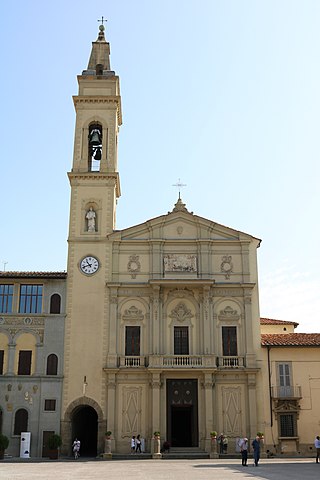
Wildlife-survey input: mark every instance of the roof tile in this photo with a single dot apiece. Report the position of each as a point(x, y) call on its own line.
point(33, 274)
point(290, 339)
point(271, 321)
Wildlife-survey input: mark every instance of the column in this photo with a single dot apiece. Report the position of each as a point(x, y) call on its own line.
point(156, 320)
point(252, 405)
point(206, 333)
point(208, 385)
point(250, 355)
point(40, 363)
point(112, 361)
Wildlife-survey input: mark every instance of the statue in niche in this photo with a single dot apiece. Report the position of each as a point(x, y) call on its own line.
point(91, 217)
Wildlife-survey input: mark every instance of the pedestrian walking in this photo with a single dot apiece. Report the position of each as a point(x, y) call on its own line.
point(243, 444)
point(133, 444)
point(138, 444)
point(76, 448)
point(220, 442)
point(256, 450)
point(225, 444)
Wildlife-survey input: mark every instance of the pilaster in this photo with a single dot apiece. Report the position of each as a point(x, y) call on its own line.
point(155, 386)
point(11, 355)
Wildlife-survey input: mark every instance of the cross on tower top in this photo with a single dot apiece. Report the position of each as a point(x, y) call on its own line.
point(102, 19)
point(179, 185)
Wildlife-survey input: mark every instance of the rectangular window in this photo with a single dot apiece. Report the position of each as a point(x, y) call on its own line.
point(229, 341)
point(50, 405)
point(181, 341)
point(1, 361)
point(288, 427)
point(30, 299)
point(284, 376)
point(6, 295)
point(24, 365)
point(132, 341)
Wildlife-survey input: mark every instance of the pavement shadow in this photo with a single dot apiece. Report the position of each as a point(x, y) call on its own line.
point(270, 471)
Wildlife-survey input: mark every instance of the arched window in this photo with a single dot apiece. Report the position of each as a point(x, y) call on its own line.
point(52, 364)
point(55, 303)
point(95, 147)
point(20, 421)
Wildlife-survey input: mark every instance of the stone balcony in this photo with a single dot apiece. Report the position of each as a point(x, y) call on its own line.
point(180, 362)
point(288, 392)
point(230, 362)
point(130, 361)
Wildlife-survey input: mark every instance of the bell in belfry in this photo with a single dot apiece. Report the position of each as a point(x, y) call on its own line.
point(95, 139)
point(95, 144)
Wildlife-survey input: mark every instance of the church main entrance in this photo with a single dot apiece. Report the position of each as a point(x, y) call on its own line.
point(85, 429)
point(182, 413)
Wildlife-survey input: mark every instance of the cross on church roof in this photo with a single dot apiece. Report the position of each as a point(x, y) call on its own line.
point(102, 20)
point(179, 185)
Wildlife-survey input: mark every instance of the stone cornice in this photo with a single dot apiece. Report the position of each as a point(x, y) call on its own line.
point(99, 99)
point(182, 281)
point(75, 178)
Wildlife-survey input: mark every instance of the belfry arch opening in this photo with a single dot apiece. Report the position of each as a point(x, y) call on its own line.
point(95, 147)
point(85, 428)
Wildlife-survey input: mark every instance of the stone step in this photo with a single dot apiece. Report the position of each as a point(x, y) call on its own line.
point(131, 456)
point(191, 453)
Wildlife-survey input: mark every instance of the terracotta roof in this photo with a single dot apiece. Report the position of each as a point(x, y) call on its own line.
point(33, 274)
point(290, 339)
point(271, 321)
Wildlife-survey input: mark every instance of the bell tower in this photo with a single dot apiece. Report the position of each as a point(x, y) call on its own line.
point(95, 187)
point(95, 162)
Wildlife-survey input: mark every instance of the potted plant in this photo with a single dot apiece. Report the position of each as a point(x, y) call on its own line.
point(213, 434)
point(108, 434)
point(156, 434)
point(260, 435)
point(4, 443)
point(54, 442)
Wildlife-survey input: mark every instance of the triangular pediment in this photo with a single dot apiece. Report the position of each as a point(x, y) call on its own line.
point(181, 226)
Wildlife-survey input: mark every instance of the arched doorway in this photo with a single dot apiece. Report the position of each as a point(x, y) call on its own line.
point(85, 428)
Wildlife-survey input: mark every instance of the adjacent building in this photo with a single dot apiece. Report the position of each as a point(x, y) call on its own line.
point(32, 318)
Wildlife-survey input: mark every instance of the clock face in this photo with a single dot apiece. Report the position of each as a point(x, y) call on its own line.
point(89, 265)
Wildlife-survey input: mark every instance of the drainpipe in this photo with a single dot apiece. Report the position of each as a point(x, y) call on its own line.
point(270, 397)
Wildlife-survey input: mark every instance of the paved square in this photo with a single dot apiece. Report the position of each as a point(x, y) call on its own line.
point(275, 469)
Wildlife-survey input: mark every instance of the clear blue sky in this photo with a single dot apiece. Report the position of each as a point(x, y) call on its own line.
point(223, 94)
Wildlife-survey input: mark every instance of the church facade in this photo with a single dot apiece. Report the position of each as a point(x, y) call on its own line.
point(158, 327)
point(162, 326)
